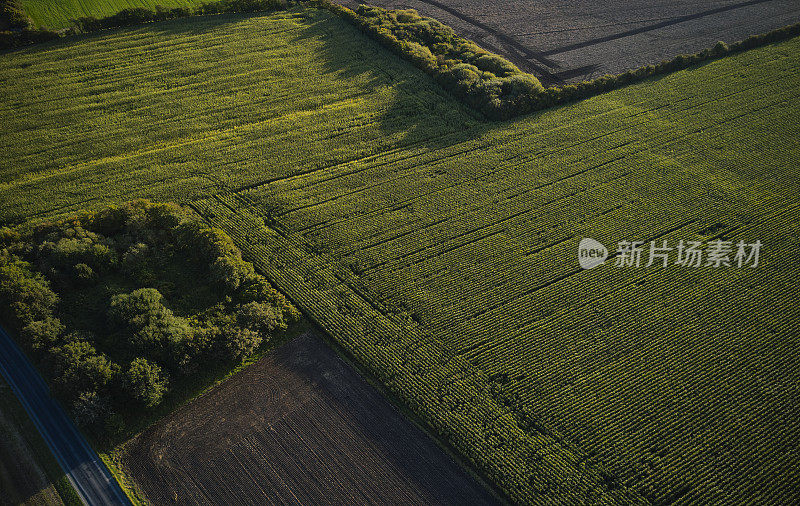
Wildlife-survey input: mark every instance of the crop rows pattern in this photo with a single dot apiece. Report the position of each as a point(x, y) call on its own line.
point(441, 251)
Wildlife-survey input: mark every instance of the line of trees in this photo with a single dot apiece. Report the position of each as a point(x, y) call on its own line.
point(125, 348)
point(485, 81)
point(494, 85)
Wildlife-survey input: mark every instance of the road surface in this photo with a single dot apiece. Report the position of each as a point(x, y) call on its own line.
point(83, 467)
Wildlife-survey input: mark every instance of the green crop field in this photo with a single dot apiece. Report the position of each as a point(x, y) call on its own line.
point(440, 250)
point(57, 14)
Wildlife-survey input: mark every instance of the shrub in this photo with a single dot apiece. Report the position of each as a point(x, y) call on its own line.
point(8, 236)
point(259, 317)
point(42, 334)
point(84, 274)
point(496, 65)
point(228, 273)
point(138, 308)
point(89, 408)
point(76, 367)
point(25, 296)
point(149, 327)
point(239, 343)
point(136, 258)
point(145, 382)
point(76, 245)
point(12, 12)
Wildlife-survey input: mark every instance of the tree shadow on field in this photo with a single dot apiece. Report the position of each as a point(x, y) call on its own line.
point(417, 109)
point(190, 25)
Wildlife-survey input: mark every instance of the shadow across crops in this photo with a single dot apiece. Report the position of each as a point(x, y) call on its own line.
point(419, 108)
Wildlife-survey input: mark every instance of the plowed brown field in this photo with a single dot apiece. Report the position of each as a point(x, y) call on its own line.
point(567, 41)
point(298, 427)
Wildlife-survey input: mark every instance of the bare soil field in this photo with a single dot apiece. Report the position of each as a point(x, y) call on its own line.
point(568, 41)
point(298, 427)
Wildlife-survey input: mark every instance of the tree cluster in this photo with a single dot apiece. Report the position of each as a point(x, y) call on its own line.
point(125, 350)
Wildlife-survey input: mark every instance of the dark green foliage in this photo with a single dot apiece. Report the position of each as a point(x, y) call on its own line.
point(485, 81)
point(75, 367)
point(107, 265)
point(228, 272)
point(13, 15)
point(145, 382)
point(89, 409)
point(148, 327)
point(17, 27)
point(237, 343)
point(25, 296)
point(42, 334)
point(259, 316)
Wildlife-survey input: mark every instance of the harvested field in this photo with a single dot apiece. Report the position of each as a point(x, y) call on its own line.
point(567, 41)
point(298, 427)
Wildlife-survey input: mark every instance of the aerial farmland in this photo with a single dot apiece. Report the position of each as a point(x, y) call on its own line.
point(257, 251)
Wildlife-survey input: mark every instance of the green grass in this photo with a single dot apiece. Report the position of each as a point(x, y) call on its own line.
point(58, 14)
point(440, 251)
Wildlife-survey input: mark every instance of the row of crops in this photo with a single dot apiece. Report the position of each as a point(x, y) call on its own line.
point(173, 110)
point(531, 463)
point(476, 242)
point(441, 251)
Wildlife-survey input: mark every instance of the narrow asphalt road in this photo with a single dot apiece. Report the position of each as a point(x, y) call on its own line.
point(83, 467)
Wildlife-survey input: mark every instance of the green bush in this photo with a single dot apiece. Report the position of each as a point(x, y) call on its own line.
point(238, 343)
point(25, 296)
point(145, 382)
point(42, 334)
point(13, 14)
point(497, 65)
point(76, 367)
point(89, 409)
point(148, 326)
point(229, 272)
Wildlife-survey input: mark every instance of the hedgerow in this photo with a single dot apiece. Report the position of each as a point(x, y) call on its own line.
point(95, 299)
point(495, 86)
point(485, 81)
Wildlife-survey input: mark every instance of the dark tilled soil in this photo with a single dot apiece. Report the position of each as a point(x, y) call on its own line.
point(568, 41)
point(298, 427)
